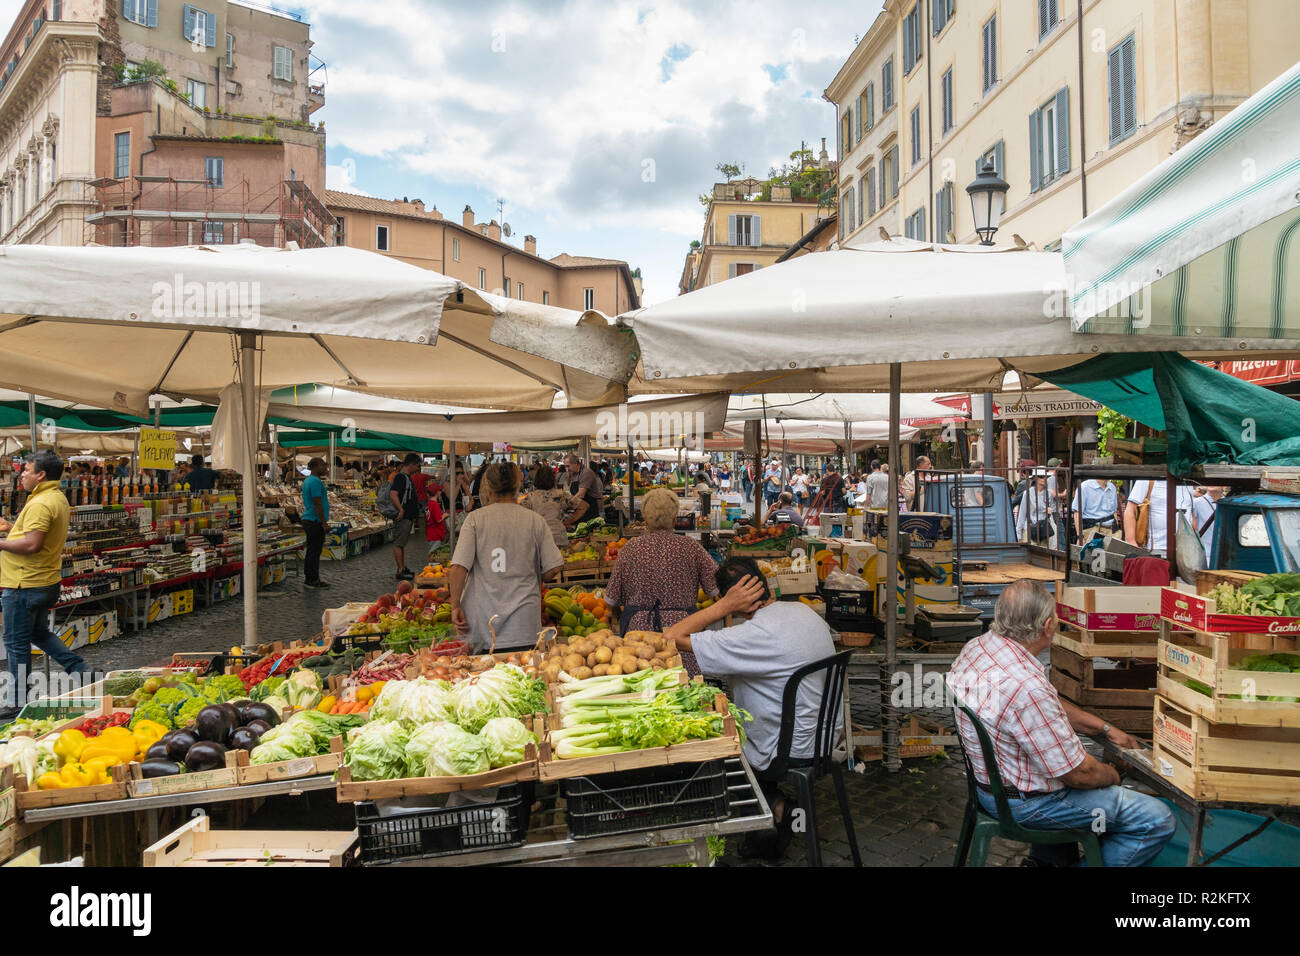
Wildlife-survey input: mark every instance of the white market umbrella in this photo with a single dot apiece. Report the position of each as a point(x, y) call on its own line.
point(113, 326)
point(831, 406)
point(1205, 243)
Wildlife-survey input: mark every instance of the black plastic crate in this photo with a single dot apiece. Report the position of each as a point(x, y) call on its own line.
point(445, 831)
point(849, 610)
point(649, 799)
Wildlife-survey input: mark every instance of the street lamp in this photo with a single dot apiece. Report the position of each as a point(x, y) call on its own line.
point(988, 195)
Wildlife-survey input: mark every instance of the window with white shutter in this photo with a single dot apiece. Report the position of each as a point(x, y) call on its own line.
point(283, 63)
point(990, 52)
point(482, 278)
point(588, 299)
point(1122, 70)
point(455, 250)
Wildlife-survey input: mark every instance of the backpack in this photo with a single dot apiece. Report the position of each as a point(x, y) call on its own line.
point(384, 504)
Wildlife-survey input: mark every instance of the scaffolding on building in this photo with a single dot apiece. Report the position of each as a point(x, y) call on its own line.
point(165, 211)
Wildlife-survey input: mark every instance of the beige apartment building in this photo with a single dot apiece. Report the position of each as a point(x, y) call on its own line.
point(1070, 101)
point(217, 148)
point(749, 224)
point(478, 254)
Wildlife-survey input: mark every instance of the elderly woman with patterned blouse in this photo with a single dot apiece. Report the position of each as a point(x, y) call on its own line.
point(659, 575)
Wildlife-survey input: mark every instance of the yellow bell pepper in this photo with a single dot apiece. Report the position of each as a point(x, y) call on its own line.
point(121, 749)
point(69, 746)
point(109, 733)
point(49, 781)
point(146, 734)
point(76, 775)
point(99, 765)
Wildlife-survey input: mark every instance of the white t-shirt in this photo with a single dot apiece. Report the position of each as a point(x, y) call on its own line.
point(1156, 517)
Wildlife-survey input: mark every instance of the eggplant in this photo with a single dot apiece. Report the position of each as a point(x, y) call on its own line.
point(239, 705)
point(258, 726)
point(157, 752)
point(178, 744)
point(160, 768)
point(260, 711)
point(215, 722)
point(243, 738)
point(206, 755)
point(233, 712)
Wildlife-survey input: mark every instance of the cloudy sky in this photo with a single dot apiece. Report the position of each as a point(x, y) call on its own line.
point(598, 122)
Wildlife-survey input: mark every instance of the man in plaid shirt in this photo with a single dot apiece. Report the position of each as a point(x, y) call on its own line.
point(1051, 782)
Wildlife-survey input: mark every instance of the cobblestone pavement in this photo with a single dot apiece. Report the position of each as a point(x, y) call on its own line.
point(910, 818)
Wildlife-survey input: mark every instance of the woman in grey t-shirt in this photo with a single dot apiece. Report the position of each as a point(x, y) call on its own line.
point(503, 553)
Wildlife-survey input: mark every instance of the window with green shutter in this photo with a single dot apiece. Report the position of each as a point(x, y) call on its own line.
point(989, 43)
point(199, 26)
point(941, 13)
point(887, 86)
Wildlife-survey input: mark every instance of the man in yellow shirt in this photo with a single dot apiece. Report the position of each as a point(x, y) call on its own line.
point(31, 571)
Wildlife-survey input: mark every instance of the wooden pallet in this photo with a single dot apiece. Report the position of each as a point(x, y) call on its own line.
point(1114, 644)
point(194, 844)
point(1211, 761)
point(1211, 663)
point(551, 767)
point(1079, 679)
point(348, 790)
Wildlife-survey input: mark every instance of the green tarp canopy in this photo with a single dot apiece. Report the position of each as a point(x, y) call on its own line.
point(1210, 417)
point(365, 441)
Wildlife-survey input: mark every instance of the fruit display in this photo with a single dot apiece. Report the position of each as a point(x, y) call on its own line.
point(613, 548)
point(604, 653)
point(406, 605)
point(702, 600)
point(576, 612)
point(434, 570)
point(582, 554)
point(764, 538)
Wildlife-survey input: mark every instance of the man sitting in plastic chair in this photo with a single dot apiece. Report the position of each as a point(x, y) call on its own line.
point(1051, 782)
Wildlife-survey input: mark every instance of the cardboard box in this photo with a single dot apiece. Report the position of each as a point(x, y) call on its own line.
point(182, 602)
point(160, 608)
point(71, 632)
point(101, 627)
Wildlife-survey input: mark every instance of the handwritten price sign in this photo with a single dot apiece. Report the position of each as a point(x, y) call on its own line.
point(157, 449)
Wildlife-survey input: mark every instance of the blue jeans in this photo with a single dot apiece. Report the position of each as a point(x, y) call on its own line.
point(1135, 826)
point(26, 623)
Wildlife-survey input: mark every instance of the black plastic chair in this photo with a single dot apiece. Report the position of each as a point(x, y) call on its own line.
point(802, 772)
point(978, 827)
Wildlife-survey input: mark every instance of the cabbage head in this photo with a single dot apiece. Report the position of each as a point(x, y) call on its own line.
point(506, 738)
point(449, 751)
point(377, 750)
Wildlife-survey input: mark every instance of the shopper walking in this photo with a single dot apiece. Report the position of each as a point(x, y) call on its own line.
point(200, 478)
point(315, 519)
point(31, 569)
point(402, 494)
point(551, 503)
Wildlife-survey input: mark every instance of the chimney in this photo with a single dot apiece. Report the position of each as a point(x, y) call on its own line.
point(530, 245)
point(494, 230)
point(823, 159)
point(467, 218)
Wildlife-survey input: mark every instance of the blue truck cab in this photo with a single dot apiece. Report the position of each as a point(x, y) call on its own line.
point(1257, 532)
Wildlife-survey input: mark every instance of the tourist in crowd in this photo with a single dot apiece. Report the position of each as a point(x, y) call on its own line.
point(200, 477)
point(402, 494)
point(877, 486)
point(799, 490)
point(724, 476)
point(1036, 517)
point(31, 573)
point(315, 519)
point(747, 479)
point(658, 576)
point(768, 642)
point(503, 554)
point(1095, 505)
point(783, 511)
point(1052, 783)
point(551, 503)
point(1199, 509)
point(913, 485)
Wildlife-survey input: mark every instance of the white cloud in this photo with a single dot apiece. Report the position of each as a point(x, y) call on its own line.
point(343, 178)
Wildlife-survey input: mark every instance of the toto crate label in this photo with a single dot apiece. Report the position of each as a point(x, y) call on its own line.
point(1189, 662)
point(1175, 736)
point(1185, 609)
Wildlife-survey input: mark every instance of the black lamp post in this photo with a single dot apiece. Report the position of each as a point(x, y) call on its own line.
point(988, 194)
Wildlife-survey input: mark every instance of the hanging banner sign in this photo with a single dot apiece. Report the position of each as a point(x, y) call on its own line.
point(157, 449)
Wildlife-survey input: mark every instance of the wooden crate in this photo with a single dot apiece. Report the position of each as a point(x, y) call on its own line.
point(1109, 608)
point(693, 751)
point(33, 799)
point(1180, 608)
point(351, 791)
point(8, 797)
point(1211, 663)
point(195, 844)
point(1080, 680)
point(1113, 644)
point(247, 772)
point(218, 779)
point(1207, 580)
point(1226, 762)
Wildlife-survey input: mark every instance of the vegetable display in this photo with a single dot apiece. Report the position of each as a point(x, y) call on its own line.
point(603, 653)
point(1274, 595)
point(254, 674)
point(36, 726)
point(306, 734)
point(1277, 663)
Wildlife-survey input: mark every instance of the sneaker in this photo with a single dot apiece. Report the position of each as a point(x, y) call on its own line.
point(407, 575)
point(315, 584)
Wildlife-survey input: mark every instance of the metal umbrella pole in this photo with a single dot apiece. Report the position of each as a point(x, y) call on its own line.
point(454, 494)
point(988, 432)
point(893, 762)
point(31, 418)
point(248, 393)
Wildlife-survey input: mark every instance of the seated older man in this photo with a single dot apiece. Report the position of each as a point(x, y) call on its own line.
point(1052, 783)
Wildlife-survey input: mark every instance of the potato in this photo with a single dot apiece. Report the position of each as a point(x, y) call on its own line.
point(675, 661)
point(656, 642)
point(591, 659)
point(657, 665)
point(645, 652)
point(613, 642)
point(584, 647)
point(573, 662)
point(600, 670)
point(630, 667)
point(663, 655)
point(603, 655)
point(581, 673)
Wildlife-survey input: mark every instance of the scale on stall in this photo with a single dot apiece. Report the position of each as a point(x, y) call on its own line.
point(934, 622)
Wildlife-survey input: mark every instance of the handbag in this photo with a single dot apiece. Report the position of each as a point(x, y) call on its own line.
point(1143, 531)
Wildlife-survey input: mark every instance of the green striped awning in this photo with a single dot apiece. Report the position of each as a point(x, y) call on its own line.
point(1204, 244)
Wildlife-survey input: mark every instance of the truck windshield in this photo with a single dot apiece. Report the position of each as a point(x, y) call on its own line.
point(1288, 522)
point(1254, 532)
